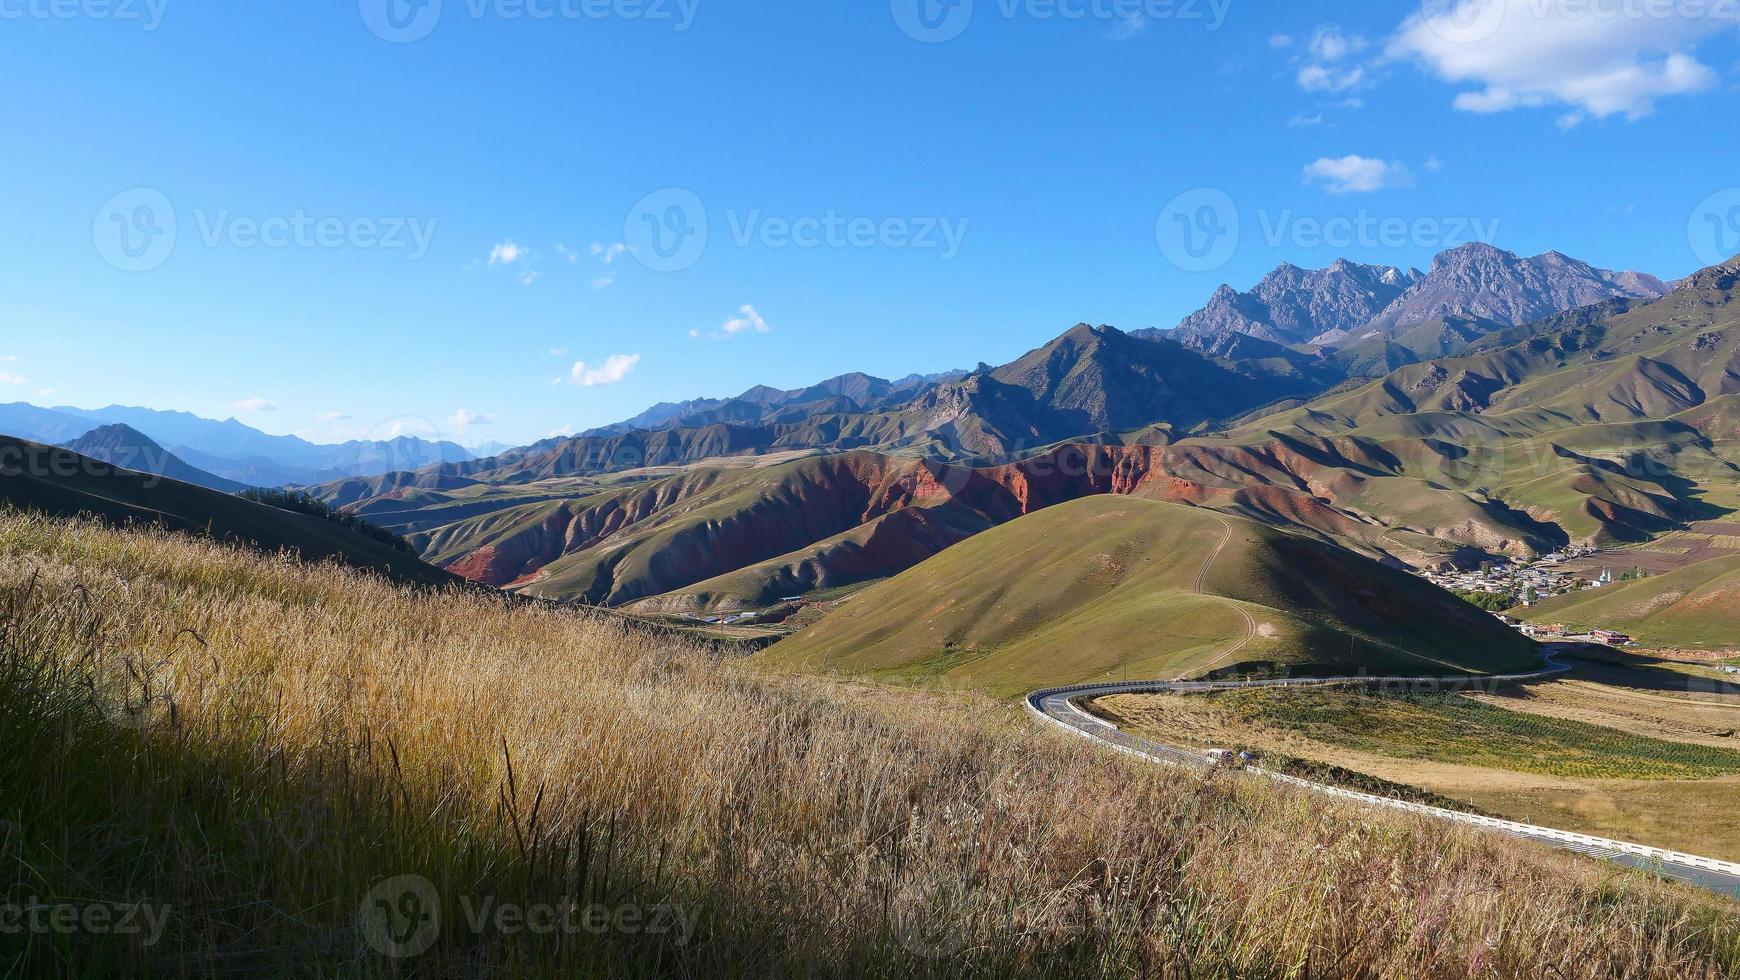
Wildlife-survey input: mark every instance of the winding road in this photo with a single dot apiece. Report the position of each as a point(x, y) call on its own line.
point(1057, 706)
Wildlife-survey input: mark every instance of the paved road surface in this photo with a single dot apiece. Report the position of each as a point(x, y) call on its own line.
point(1057, 706)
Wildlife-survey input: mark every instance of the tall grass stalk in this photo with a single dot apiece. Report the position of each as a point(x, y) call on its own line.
point(256, 745)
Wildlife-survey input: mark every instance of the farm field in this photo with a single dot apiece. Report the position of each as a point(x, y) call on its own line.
point(1616, 750)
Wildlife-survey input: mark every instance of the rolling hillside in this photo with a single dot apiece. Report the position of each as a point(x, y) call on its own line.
point(1607, 425)
point(60, 482)
point(1110, 588)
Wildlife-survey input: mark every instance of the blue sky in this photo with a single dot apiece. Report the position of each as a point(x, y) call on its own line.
point(505, 195)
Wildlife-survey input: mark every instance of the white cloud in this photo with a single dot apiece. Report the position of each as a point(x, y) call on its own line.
point(1597, 60)
point(1434, 164)
point(1280, 41)
point(506, 253)
point(1304, 120)
point(558, 352)
point(614, 369)
point(1329, 44)
point(566, 430)
point(1129, 27)
point(335, 417)
point(608, 254)
point(567, 253)
point(8, 358)
point(603, 282)
point(1327, 78)
point(1355, 174)
point(466, 418)
point(255, 405)
point(530, 277)
point(746, 320)
point(44, 392)
point(12, 378)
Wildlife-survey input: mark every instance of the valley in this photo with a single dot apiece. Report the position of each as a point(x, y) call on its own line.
point(1609, 426)
point(1618, 748)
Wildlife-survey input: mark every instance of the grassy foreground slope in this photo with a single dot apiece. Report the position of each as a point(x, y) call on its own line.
point(61, 482)
point(1123, 587)
point(1696, 607)
point(343, 777)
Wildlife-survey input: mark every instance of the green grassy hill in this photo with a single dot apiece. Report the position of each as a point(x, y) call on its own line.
point(1696, 607)
point(1108, 588)
point(63, 483)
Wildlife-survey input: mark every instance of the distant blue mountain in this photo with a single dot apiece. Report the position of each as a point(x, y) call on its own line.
point(231, 449)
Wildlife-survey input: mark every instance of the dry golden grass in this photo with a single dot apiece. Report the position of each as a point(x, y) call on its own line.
point(330, 731)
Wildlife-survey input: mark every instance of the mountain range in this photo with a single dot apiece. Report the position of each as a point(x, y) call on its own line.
point(229, 449)
point(1350, 304)
point(1601, 424)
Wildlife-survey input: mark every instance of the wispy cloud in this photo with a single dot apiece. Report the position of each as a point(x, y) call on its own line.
point(255, 405)
point(335, 417)
point(615, 368)
point(12, 378)
point(530, 277)
point(465, 418)
point(1331, 78)
point(1354, 174)
point(1329, 44)
point(608, 254)
point(1126, 28)
point(506, 253)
